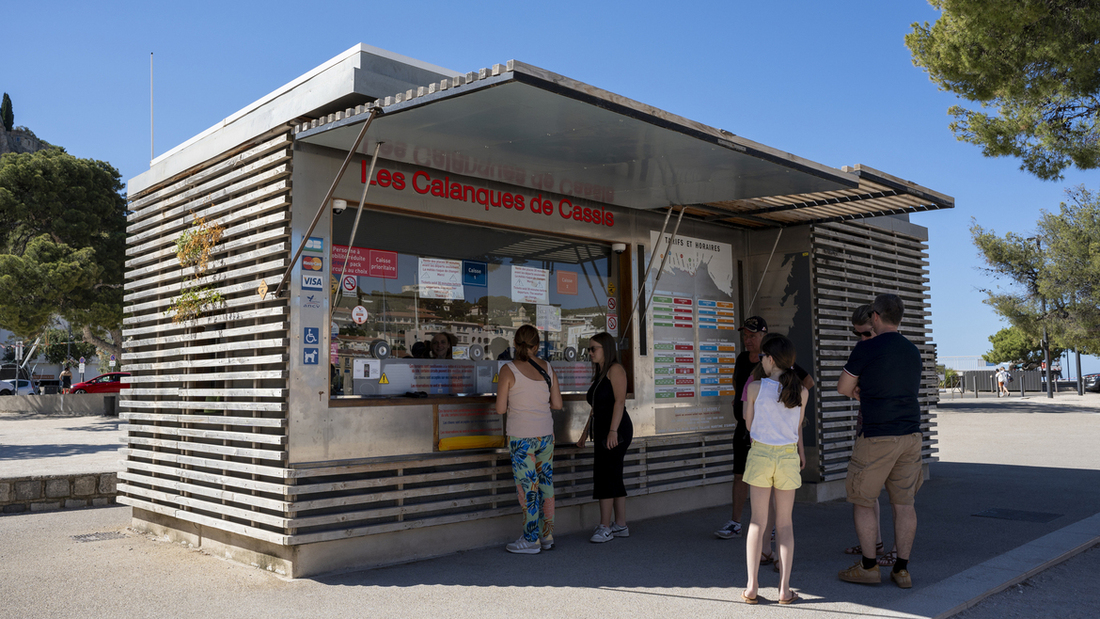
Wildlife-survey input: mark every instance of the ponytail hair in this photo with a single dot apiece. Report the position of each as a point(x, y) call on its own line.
point(782, 352)
point(526, 342)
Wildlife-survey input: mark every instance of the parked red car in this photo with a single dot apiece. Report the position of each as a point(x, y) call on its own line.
point(110, 382)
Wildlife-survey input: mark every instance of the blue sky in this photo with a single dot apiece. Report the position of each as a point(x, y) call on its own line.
point(829, 81)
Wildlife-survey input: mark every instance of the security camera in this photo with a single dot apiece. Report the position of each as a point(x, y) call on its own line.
point(338, 206)
point(618, 248)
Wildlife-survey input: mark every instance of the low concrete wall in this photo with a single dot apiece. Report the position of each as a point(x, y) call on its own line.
point(50, 492)
point(71, 404)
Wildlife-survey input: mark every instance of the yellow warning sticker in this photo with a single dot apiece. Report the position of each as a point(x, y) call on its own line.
point(496, 378)
point(610, 288)
point(383, 380)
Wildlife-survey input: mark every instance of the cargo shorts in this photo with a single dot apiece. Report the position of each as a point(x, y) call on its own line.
point(893, 461)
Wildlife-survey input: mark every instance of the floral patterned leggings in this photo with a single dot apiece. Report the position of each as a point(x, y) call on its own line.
point(533, 469)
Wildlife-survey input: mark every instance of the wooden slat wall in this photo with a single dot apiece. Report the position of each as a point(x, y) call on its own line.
point(206, 405)
point(853, 262)
point(342, 501)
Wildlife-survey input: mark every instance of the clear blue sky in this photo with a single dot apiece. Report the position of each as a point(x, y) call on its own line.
point(829, 81)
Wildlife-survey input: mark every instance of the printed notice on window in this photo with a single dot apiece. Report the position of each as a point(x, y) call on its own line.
point(549, 318)
point(530, 285)
point(441, 279)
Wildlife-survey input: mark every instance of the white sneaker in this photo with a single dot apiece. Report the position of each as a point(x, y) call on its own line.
point(730, 531)
point(620, 531)
point(547, 543)
point(601, 534)
point(524, 547)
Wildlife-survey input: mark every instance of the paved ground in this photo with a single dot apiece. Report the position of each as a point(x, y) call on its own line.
point(1028, 455)
point(44, 445)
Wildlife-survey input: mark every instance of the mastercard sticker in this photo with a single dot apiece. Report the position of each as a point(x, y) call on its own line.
point(313, 263)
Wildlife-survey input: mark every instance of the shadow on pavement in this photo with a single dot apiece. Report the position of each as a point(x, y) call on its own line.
point(680, 555)
point(30, 452)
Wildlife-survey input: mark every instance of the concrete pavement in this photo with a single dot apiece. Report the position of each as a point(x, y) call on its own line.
point(1000, 461)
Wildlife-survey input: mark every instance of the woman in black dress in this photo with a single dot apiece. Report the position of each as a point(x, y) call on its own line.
point(611, 433)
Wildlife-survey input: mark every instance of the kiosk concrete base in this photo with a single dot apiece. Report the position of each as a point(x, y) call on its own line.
point(412, 544)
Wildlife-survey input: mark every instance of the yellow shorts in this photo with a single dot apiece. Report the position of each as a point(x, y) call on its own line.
point(773, 466)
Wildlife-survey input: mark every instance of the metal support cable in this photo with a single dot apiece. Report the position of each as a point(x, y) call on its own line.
point(354, 229)
point(375, 111)
point(765, 273)
point(639, 311)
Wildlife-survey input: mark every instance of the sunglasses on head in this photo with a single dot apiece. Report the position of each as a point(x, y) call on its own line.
point(859, 333)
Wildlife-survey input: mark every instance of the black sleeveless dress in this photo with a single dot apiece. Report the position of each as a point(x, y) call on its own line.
point(607, 468)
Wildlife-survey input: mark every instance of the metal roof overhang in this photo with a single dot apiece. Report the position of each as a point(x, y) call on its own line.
point(522, 125)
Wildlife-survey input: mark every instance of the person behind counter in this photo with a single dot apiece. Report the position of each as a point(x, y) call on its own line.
point(442, 346)
point(527, 390)
point(611, 434)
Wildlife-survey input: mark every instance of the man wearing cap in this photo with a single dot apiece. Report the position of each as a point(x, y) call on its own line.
point(752, 333)
point(884, 374)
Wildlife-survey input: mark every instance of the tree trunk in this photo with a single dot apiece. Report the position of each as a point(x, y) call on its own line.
point(111, 347)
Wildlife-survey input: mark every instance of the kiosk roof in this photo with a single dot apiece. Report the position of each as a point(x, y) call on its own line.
point(571, 138)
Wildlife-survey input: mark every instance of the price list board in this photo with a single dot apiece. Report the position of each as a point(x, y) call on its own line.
point(695, 335)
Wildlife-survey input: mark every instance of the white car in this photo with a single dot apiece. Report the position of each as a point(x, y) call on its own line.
point(20, 386)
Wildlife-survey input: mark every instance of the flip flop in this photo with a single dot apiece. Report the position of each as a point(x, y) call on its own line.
point(748, 600)
point(767, 558)
point(888, 559)
point(791, 600)
point(858, 550)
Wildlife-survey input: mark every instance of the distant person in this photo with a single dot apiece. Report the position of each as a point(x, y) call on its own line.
point(774, 412)
point(442, 345)
point(526, 391)
point(861, 328)
point(66, 380)
point(884, 374)
point(1003, 378)
point(612, 432)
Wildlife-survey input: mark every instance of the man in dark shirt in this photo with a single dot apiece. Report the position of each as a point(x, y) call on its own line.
point(752, 334)
point(884, 374)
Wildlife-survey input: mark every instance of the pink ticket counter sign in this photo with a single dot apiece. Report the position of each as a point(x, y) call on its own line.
point(364, 262)
point(382, 264)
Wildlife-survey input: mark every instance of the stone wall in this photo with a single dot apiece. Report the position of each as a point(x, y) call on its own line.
point(50, 492)
point(76, 404)
point(20, 140)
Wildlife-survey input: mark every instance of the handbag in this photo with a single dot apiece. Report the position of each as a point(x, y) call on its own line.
point(549, 383)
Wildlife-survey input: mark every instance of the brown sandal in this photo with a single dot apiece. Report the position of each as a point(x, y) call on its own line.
point(888, 559)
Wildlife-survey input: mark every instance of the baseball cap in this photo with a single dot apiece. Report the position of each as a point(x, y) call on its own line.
point(754, 324)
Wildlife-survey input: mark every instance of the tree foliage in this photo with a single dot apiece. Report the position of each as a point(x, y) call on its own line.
point(62, 245)
point(1035, 61)
point(1059, 266)
point(1013, 345)
point(7, 116)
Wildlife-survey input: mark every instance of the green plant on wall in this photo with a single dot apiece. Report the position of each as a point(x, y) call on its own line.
point(193, 248)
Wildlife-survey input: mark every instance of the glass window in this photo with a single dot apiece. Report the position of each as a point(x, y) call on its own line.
point(430, 307)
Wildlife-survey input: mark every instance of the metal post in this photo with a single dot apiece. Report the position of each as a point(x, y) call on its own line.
point(1080, 379)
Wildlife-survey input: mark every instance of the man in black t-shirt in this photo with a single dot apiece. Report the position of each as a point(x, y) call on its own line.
point(752, 334)
point(884, 374)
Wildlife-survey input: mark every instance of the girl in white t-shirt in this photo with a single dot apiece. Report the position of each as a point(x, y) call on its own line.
point(774, 410)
